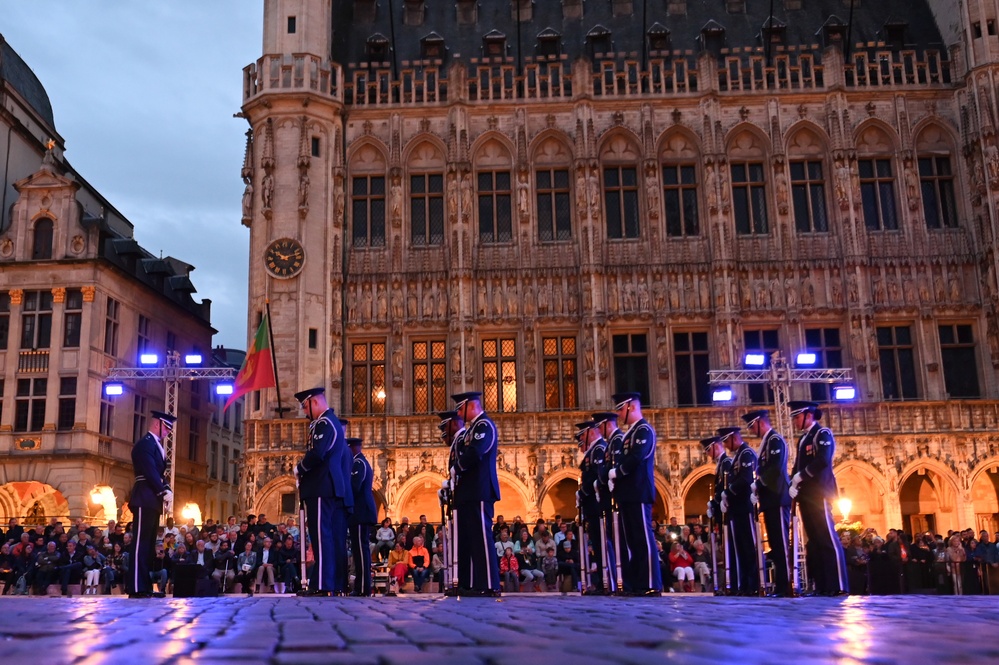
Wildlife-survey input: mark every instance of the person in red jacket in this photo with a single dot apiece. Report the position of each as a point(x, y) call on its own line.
point(682, 566)
point(509, 569)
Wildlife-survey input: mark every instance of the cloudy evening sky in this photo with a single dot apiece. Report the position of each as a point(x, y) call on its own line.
point(143, 93)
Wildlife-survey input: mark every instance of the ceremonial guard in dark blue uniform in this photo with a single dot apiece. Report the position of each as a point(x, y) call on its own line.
point(475, 493)
point(771, 488)
point(149, 494)
point(594, 450)
point(606, 422)
point(634, 478)
point(739, 508)
point(365, 514)
point(452, 429)
point(813, 486)
point(715, 449)
point(324, 486)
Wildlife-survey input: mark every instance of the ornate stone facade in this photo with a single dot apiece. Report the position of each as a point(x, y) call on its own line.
point(552, 230)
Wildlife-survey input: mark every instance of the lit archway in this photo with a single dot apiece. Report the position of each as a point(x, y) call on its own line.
point(866, 489)
point(695, 501)
point(32, 502)
point(928, 498)
point(985, 499)
point(419, 497)
point(559, 495)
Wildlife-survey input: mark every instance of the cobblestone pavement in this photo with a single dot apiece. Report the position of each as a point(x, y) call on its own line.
point(514, 630)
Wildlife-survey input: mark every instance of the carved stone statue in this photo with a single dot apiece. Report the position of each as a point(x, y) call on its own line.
point(398, 356)
point(303, 190)
point(398, 312)
point(248, 201)
point(662, 356)
point(267, 195)
point(382, 303)
point(588, 354)
point(395, 196)
point(456, 361)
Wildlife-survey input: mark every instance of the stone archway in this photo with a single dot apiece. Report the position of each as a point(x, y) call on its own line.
point(696, 497)
point(273, 500)
point(559, 495)
point(985, 499)
point(928, 499)
point(418, 496)
point(32, 502)
point(867, 491)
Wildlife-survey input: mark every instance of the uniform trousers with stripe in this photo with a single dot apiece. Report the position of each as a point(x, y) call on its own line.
point(777, 520)
point(825, 556)
point(611, 555)
point(326, 519)
point(361, 553)
point(643, 569)
point(146, 523)
point(596, 578)
point(617, 537)
point(731, 555)
point(747, 565)
point(478, 565)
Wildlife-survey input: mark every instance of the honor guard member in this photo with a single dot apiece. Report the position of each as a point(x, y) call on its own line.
point(150, 494)
point(634, 477)
point(476, 490)
point(594, 450)
point(771, 488)
point(742, 518)
point(451, 428)
point(715, 448)
point(365, 514)
point(813, 485)
point(605, 423)
point(324, 486)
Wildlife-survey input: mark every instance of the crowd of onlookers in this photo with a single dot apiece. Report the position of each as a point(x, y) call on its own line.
point(255, 555)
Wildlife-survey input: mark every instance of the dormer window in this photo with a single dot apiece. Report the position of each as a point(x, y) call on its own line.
point(599, 41)
point(658, 36)
point(833, 32)
point(773, 32)
point(713, 37)
point(494, 44)
point(892, 33)
point(432, 47)
point(549, 44)
point(377, 48)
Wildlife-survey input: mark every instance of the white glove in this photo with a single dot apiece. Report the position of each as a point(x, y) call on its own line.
point(612, 474)
point(724, 506)
point(440, 495)
point(168, 498)
point(752, 487)
point(610, 482)
point(596, 486)
point(577, 499)
point(711, 511)
point(793, 491)
point(445, 484)
point(753, 498)
point(454, 475)
point(724, 496)
point(593, 567)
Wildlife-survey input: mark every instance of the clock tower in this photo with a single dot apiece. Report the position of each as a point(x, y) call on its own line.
point(293, 200)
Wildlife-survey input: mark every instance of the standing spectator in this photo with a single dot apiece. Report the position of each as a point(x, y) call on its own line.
point(264, 525)
point(531, 574)
point(419, 562)
point(385, 539)
point(225, 566)
point(856, 566)
point(246, 569)
point(266, 560)
point(956, 558)
point(509, 570)
point(289, 562)
point(682, 566)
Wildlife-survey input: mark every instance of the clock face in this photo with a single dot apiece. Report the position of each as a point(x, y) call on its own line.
point(284, 257)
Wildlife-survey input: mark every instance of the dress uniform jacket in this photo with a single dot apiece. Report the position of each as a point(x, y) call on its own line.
point(477, 480)
point(150, 465)
point(636, 481)
point(614, 454)
point(773, 484)
point(816, 448)
point(742, 476)
point(325, 470)
point(361, 477)
point(723, 469)
point(590, 471)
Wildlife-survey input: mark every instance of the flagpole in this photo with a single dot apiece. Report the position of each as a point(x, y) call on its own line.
point(270, 339)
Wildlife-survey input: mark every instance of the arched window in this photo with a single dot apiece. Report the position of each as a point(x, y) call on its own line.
point(552, 191)
point(877, 180)
point(808, 185)
point(747, 156)
point(936, 179)
point(41, 248)
point(619, 158)
point(495, 192)
point(367, 170)
point(679, 158)
point(426, 195)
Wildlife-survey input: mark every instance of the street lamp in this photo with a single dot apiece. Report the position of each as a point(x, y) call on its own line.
point(191, 511)
point(844, 504)
point(103, 496)
point(172, 374)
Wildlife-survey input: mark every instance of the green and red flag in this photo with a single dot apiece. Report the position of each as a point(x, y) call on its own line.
point(258, 370)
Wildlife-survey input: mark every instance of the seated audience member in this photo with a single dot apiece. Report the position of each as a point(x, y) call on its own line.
point(266, 562)
point(115, 568)
point(499, 526)
point(213, 542)
point(568, 562)
point(509, 569)
point(93, 564)
point(561, 534)
point(419, 563)
point(246, 569)
point(225, 566)
point(545, 543)
point(702, 564)
point(46, 568)
point(531, 575)
point(682, 566)
point(288, 560)
point(384, 539)
point(24, 566)
point(437, 566)
point(549, 566)
point(502, 543)
point(523, 542)
point(203, 558)
point(398, 563)
point(160, 569)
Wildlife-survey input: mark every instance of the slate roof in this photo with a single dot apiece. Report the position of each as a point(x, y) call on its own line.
point(16, 73)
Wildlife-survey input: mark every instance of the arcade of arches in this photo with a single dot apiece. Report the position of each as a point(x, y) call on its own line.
point(32, 502)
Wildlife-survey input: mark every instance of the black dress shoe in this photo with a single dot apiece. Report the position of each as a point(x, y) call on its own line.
point(650, 593)
point(310, 593)
point(140, 594)
point(453, 591)
point(158, 594)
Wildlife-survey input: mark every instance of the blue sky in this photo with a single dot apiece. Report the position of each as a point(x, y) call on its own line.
point(143, 93)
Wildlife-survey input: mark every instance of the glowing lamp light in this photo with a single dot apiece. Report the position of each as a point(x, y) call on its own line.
point(114, 388)
point(806, 359)
point(191, 511)
point(103, 496)
point(193, 359)
point(148, 359)
point(756, 359)
point(380, 393)
point(721, 394)
point(844, 393)
point(223, 389)
point(844, 504)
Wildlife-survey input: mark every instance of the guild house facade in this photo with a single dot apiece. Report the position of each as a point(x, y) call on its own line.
point(555, 201)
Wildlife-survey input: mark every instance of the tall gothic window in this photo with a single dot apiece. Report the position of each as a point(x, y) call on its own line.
point(429, 376)
point(72, 318)
point(495, 213)
point(692, 359)
point(680, 196)
point(621, 201)
point(368, 213)
point(426, 209)
point(937, 184)
point(36, 320)
point(29, 406)
point(499, 374)
point(897, 355)
point(111, 327)
point(877, 191)
point(808, 192)
point(554, 213)
point(957, 351)
point(368, 389)
point(631, 364)
point(749, 198)
point(560, 367)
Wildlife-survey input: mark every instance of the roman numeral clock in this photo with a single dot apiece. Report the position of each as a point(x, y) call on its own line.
point(284, 258)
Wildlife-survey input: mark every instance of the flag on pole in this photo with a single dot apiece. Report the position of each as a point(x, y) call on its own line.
point(258, 370)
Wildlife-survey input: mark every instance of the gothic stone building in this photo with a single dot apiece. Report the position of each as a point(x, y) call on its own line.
point(79, 295)
point(554, 201)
